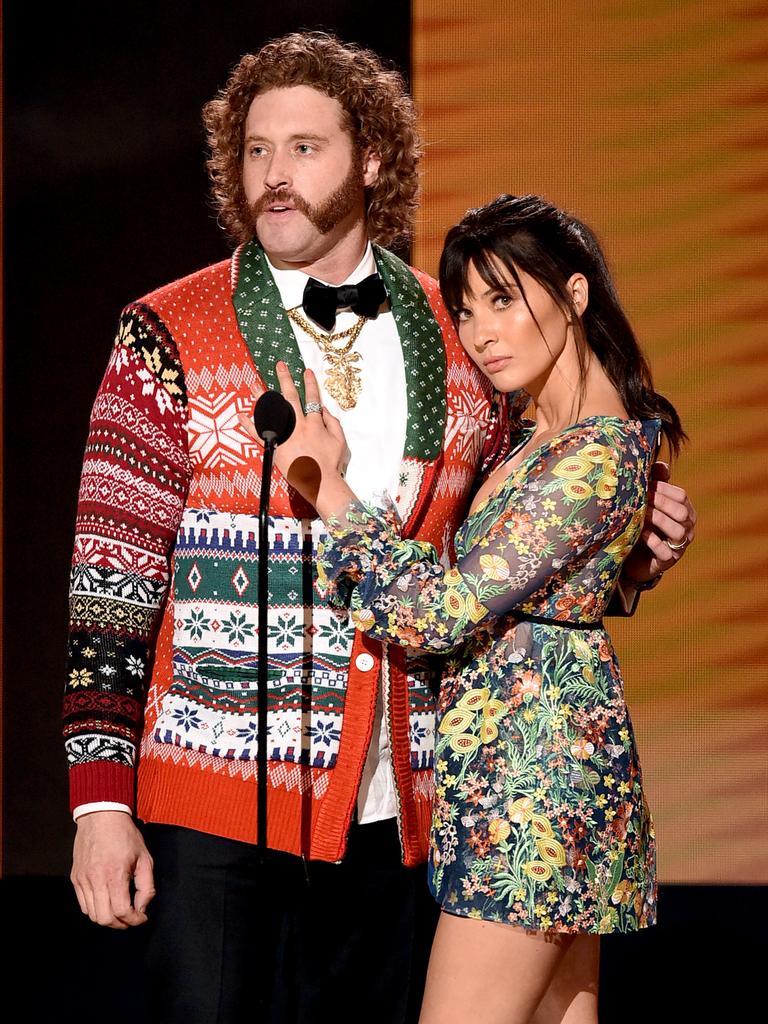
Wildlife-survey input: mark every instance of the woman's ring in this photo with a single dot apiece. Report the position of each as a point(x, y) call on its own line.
point(678, 547)
point(312, 407)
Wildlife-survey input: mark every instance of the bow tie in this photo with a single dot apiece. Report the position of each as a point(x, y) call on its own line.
point(321, 301)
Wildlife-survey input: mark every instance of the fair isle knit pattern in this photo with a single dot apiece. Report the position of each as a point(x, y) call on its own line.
point(211, 704)
point(185, 491)
point(135, 477)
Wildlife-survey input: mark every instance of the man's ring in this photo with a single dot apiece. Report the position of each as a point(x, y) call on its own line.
point(678, 547)
point(312, 407)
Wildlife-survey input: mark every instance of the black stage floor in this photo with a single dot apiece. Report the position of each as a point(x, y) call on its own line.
point(705, 962)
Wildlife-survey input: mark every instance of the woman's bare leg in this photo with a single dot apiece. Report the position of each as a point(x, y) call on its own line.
point(571, 997)
point(488, 973)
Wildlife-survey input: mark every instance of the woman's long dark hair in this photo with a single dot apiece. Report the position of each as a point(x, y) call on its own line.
point(526, 233)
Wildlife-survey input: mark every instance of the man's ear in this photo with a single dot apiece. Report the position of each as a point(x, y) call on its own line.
point(371, 165)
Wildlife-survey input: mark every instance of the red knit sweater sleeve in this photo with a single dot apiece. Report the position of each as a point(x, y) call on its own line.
point(135, 477)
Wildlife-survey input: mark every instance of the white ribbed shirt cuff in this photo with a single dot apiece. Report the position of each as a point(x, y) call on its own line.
point(100, 805)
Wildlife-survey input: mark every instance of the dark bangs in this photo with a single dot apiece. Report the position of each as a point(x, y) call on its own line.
point(496, 256)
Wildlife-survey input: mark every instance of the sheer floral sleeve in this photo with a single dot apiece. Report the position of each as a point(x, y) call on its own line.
point(559, 527)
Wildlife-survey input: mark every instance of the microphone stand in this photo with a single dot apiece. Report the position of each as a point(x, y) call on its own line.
point(270, 438)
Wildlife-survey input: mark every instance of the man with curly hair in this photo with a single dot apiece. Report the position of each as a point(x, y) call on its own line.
point(314, 155)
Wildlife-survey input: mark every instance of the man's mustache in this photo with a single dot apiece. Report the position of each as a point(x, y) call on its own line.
point(285, 196)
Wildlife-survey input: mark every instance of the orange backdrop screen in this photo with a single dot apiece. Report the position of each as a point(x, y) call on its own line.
point(650, 122)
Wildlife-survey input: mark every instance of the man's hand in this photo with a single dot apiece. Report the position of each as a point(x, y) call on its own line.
point(670, 526)
point(109, 852)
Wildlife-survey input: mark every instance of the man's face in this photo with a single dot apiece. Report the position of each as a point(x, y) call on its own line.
point(303, 178)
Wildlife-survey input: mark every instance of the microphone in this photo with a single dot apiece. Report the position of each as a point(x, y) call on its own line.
point(273, 418)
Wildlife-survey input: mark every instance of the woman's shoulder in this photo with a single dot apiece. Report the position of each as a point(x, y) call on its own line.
point(598, 461)
point(595, 437)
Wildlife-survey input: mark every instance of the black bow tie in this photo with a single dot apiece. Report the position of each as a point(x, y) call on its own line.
point(321, 301)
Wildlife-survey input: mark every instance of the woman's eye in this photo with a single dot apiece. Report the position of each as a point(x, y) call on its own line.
point(462, 315)
point(503, 300)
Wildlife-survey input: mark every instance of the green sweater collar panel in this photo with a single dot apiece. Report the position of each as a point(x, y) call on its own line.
point(269, 336)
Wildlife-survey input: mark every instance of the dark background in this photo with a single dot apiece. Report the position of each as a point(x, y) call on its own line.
point(106, 199)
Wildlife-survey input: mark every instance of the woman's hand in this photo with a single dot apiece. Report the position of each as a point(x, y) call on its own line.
point(313, 459)
point(670, 526)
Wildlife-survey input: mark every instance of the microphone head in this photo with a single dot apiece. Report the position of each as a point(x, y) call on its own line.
point(273, 415)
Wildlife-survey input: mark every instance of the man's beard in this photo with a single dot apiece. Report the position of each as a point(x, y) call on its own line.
point(326, 215)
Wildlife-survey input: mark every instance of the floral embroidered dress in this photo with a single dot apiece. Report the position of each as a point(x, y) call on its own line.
point(539, 818)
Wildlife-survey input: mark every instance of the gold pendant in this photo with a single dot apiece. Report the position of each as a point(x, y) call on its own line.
point(342, 378)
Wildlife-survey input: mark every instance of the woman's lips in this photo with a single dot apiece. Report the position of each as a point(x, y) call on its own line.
point(496, 364)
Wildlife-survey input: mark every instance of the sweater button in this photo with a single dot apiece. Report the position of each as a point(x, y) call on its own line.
point(364, 662)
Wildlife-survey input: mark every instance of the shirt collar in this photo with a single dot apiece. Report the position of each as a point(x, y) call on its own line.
point(291, 283)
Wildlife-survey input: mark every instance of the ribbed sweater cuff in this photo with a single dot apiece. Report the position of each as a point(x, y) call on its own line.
point(101, 780)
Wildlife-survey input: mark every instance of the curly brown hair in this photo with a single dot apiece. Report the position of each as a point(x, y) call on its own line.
point(381, 118)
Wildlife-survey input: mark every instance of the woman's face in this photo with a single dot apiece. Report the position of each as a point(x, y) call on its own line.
point(498, 332)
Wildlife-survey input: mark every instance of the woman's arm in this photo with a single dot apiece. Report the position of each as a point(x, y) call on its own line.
point(586, 492)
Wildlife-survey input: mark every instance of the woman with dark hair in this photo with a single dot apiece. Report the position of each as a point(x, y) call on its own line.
point(541, 835)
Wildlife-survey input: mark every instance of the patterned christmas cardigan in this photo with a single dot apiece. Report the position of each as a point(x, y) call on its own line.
point(165, 565)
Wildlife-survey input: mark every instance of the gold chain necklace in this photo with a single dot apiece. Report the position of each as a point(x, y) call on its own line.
point(342, 375)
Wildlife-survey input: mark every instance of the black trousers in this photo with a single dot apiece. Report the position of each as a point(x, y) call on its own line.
point(232, 939)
